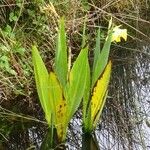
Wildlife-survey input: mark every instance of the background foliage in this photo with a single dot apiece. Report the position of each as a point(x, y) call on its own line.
point(22, 22)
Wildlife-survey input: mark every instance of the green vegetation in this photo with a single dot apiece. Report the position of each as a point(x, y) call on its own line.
point(24, 23)
point(61, 91)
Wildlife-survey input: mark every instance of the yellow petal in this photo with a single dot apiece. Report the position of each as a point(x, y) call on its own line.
point(118, 34)
point(124, 34)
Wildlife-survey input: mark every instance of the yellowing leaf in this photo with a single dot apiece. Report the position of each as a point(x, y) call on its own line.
point(61, 124)
point(99, 94)
point(59, 106)
point(55, 91)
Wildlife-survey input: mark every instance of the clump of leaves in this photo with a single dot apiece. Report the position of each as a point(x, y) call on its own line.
point(61, 90)
point(98, 81)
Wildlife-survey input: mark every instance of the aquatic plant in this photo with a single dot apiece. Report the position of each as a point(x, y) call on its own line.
point(60, 91)
point(98, 81)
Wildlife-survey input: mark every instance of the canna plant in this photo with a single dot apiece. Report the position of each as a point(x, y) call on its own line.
point(97, 82)
point(60, 91)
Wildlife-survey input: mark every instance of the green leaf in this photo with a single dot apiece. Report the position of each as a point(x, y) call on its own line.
point(86, 97)
point(102, 59)
point(97, 49)
point(42, 78)
point(12, 17)
point(5, 65)
point(85, 5)
point(77, 81)
point(61, 67)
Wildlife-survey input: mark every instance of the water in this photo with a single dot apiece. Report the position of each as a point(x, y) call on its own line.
point(125, 123)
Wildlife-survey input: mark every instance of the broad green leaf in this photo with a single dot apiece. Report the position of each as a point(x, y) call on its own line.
point(102, 59)
point(86, 98)
point(97, 49)
point(77, 81)
point(61, 67)
point(99, 94)
point(88, 81)
point(59, 106)
point(41, 79)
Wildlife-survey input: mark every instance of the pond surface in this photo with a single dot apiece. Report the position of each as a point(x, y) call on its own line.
point(125, 123)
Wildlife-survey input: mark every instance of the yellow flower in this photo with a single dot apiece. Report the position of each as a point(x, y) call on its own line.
point(118, 34)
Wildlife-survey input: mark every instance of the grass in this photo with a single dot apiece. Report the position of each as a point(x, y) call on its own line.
point(25, 22)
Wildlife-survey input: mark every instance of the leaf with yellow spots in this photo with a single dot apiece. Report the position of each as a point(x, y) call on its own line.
point(59, 106)
point(99, 94)
point(61, 124)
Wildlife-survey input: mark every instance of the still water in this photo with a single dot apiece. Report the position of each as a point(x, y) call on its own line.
point(125, 123)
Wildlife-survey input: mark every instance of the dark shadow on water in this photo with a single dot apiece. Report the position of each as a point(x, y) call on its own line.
point(89, 142)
